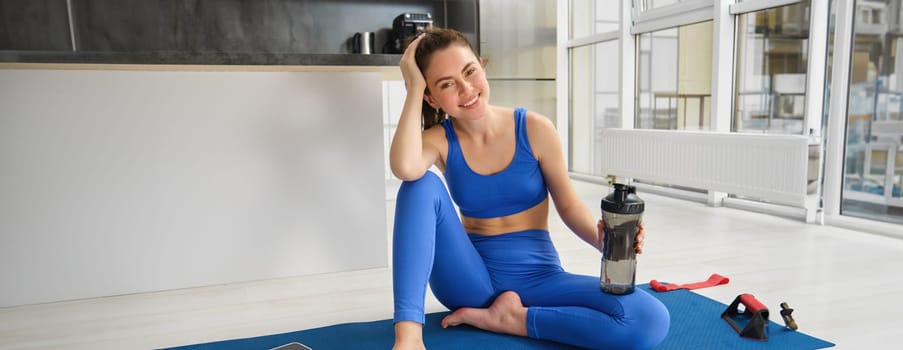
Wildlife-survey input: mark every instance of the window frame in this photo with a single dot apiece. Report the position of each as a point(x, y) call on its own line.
point(671, 16)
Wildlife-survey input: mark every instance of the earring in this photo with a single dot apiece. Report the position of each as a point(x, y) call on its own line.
point(437, 112)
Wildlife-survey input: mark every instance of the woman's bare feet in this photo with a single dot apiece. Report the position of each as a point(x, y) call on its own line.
point(506, 315)
point(408, 336)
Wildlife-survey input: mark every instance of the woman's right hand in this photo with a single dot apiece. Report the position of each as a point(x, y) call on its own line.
point(410, 155)
point(413, 78)
point(600, 239)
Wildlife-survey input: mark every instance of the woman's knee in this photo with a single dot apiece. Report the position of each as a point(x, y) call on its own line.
point(429, 182)
point(643, 324)
point(650, 321)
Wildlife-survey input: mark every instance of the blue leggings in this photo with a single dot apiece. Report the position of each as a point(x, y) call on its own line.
point(468, 270)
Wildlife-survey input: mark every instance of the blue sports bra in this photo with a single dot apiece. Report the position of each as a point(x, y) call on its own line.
point(518, 187)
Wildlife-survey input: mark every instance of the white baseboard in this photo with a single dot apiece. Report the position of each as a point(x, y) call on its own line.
point(795, 213)
point(865, 225)
point(672, 192)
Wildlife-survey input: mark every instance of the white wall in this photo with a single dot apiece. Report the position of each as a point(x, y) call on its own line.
point(394, 94)
point(116, 182)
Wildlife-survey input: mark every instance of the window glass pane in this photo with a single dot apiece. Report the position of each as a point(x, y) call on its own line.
point(878, 164)
point(874, 140)
point(590, 17)
point(674, 80)
point(770, 81)
point(594, 102)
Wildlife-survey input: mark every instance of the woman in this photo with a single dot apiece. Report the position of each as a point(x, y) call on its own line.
point(495, 266)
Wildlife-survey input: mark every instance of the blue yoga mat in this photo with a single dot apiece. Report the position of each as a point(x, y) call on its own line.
point(695, 324)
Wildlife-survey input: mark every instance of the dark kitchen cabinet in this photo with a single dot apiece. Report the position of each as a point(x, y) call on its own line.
point(211, 31)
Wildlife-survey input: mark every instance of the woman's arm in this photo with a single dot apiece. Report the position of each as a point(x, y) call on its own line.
point(409, 155)
point(547, 148)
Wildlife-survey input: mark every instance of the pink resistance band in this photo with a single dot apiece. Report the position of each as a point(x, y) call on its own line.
point(714, 280)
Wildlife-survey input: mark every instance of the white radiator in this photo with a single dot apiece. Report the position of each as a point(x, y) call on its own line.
point(767, 167)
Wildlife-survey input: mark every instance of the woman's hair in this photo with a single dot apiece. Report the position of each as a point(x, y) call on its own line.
point(436, 39)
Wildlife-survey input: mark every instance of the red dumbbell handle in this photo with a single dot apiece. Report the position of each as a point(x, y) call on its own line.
point(752, 304)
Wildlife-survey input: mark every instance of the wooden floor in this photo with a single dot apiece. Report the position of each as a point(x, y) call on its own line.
point(841, 283)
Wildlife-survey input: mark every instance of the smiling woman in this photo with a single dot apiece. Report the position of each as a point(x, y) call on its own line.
point(495, 265)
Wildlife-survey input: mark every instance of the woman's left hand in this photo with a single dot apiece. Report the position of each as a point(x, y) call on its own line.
point(638, 244)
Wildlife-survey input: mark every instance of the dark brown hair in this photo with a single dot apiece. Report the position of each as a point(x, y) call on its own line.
point(436, 39)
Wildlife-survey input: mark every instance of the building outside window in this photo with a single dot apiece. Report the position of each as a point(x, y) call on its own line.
point(873, 166)
point(674, 82)
point(771, 62)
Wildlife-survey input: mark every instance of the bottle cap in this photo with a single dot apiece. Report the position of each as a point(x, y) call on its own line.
point(623, 201)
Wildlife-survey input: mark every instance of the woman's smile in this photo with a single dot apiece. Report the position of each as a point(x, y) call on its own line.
point(472, 103)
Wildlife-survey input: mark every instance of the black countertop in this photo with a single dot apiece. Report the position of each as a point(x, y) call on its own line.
point(199, 58)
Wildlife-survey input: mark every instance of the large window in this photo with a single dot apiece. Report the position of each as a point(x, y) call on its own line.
point(873, 167)
point(770, 59)
point(772, 56)
point(674, 81)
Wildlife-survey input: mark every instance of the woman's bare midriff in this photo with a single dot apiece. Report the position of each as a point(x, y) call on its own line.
point(535, 218)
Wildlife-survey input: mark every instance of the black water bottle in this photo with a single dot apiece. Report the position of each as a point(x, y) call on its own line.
point(622, 211)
